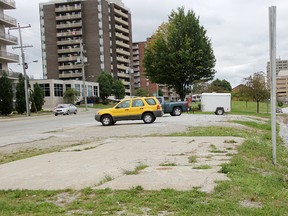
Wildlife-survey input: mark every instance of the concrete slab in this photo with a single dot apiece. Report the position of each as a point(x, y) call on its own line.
point(88, 165)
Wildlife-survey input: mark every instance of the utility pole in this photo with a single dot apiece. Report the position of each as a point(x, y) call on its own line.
point(83, 60)
point(24, 65)
point(272, 31)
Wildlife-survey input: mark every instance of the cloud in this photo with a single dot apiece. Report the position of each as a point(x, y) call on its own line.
point(238, 29)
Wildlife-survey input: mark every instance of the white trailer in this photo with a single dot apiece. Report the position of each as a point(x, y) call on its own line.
point(216, 102)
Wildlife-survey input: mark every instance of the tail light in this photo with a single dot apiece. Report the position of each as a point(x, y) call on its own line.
point(158, 107)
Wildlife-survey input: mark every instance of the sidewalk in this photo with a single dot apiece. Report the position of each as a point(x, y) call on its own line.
point(166, 158)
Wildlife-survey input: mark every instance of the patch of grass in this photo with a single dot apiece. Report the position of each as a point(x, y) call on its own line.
point(107, 178)
point(192, 159)
point(27, 153)
point(204, 166)
point(136, 170)
point(230, 141)
point(168, 164)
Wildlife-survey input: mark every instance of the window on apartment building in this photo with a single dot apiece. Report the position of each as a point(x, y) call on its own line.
point(68, 86)
point(46, 89)
point(95, 90)
point(58, 90)
point(77, 87)
point(89, 91)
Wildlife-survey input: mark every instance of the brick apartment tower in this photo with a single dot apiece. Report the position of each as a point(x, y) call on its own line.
point(140, 80)
point(104, 26)
point(7, 39)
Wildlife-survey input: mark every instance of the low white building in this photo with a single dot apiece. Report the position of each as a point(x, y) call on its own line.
point(54, 90)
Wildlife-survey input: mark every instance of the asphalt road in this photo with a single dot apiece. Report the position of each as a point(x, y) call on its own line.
point(27, 129)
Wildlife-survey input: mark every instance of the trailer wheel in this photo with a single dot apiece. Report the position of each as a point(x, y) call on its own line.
point(219, 111)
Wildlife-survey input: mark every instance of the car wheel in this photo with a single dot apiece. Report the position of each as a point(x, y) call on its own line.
point(75, 112)
point(55, 114)
point(177, 111)
point(106, 120)
point(148, 118)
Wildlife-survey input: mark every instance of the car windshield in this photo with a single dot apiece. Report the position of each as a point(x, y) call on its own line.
point(62, 106)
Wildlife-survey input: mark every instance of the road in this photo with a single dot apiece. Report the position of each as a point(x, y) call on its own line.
point(28, 129)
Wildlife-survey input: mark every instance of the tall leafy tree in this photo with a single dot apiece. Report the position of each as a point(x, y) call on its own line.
point(141, 92)
point(180, 53)
point(220, 86)
point(37, 98)
point(105, 81)
point(255, 88)
point(6, 95)
point(118, 89)
point(20, 95)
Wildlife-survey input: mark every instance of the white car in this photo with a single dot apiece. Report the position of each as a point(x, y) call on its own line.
point(65, 109)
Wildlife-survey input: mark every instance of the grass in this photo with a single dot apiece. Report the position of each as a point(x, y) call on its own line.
point(256, 187)
point(136, 170)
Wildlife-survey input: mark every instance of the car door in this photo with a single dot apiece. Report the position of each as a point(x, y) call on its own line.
point(137, 108)
point(122, 110)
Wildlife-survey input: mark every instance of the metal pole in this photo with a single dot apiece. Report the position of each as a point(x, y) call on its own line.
point(83, 73)
point(24, 71)
point(272, 30)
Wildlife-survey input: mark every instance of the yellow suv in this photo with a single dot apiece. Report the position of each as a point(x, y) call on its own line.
point(140, 108)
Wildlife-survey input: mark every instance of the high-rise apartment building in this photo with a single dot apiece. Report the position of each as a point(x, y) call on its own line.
point(5, 38)
point(140, 80)
point(101, 27)
point(281, 79)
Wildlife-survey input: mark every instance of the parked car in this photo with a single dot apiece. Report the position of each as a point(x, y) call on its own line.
point(174, 108)
point(140, 108)
point(65, 109)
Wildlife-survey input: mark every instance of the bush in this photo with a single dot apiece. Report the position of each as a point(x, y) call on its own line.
point(280, 104)
point(94, 100)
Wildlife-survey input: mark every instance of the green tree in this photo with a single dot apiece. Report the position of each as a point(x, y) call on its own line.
point(37, 98)
point(220, 86)
point(6, 95)
point(70, 96)
point(118, 89)
point(255, 88)
point(141, 92)
point(180, 53)
point(20, 95)
point(105, 81)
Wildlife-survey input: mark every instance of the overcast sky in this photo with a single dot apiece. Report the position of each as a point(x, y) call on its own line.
point(238, 30)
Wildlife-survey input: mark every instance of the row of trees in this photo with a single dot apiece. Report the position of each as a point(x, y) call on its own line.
point(6, 96)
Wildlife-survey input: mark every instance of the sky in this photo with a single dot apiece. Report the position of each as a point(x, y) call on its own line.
point(238, 29)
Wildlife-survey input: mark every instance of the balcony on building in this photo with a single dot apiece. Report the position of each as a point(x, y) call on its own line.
point(68, 17)
point(69, 25)
point(7, 4)
point(121, 29)
point(69, 50)
point(69, 67)
point(8, 57)
point(122, 51)
point(7, 21)
point(68, 42)
point(121, 21)
point(8, 39)
point(120, 13)
point(70, 75)
point(69, 33)
point(68, 8)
